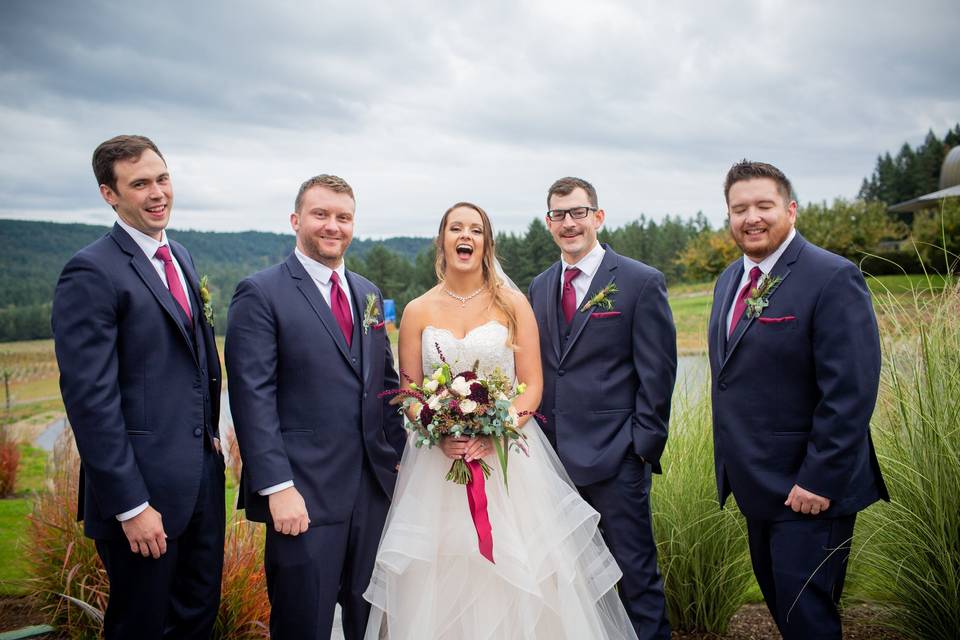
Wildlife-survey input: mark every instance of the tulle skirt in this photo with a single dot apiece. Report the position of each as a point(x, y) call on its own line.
point(553, 578)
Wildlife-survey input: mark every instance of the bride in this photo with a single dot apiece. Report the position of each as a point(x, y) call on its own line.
point(553, 577)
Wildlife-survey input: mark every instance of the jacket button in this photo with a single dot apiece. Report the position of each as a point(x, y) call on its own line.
point(723, 386)
point(198, 432)
point(560, 372)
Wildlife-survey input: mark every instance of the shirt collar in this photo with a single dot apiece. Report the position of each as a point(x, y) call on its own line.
point(589, 263)
point(767, 264)
point(319, 271)
point(147, 244)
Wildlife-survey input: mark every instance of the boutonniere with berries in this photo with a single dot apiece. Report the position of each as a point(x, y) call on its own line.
point(371, 314)
point(206, 299)
point(603, 299)
point(759, 298)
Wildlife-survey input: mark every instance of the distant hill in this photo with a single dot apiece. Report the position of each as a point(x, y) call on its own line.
point(32, 255)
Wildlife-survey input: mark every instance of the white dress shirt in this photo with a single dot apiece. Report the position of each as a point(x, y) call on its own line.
point(588, 265)
point(149, 247)
point(766, 265)
point(320, 274)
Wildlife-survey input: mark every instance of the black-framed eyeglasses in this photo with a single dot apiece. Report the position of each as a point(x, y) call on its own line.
point(557, 215)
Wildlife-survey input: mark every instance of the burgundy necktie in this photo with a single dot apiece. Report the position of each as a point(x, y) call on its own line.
point(341, 307)
point(741, 303)
point(568, 301)
point(173, 280)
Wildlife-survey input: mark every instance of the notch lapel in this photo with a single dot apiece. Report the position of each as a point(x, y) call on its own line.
point(781, 269)
point(141, 264)
point(730, 290)
point(309, 289)
point(606, 274)
point(359, 294)
point(553, 299)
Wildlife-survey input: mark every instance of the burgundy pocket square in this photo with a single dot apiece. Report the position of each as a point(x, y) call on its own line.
point(604, 314)
point(776, 320)
point(379, 325)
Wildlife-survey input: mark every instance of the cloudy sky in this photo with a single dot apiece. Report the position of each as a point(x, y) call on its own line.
point(421, 104)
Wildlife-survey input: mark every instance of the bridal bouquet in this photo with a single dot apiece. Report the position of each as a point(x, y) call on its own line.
point(464, 404)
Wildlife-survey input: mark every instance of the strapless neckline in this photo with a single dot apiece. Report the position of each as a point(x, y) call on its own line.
point(467, 334)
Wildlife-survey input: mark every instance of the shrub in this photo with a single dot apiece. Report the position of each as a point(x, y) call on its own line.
point(68, 580)
point(703, 550)
point(70, 584)
point(244, 606)
point(9, 461)
point(907, 552)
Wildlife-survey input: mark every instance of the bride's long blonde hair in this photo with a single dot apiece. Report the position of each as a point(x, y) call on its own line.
point(490, 279)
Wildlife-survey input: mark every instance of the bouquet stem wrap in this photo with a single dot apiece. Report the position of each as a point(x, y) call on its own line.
point(477, 497)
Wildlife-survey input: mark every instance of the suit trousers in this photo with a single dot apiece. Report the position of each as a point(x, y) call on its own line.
point(623, 502)
point(308, 574)
point(800, 566)
point(178, 594)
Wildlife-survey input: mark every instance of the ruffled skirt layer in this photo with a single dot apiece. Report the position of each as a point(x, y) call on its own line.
point(553, 578)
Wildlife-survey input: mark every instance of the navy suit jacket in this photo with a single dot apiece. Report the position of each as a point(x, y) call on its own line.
point(607, 391)
point(139, 396)
point(302, 409)
point(793, 391)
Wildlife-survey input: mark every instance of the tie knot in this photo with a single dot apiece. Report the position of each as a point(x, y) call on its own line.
point(335, 278)
point(570, 274)
point(755, 274)
point(163, 252)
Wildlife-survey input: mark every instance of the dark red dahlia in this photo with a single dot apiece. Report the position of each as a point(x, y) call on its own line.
point(426, 416)
point(479, 393)
point(467, 375)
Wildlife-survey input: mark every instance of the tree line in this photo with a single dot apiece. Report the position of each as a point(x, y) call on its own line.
point(686, 250)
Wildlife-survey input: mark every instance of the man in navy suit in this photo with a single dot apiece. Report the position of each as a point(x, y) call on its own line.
point(795, 366)
point(307, 354)
point(140, 379)
point(608, 346)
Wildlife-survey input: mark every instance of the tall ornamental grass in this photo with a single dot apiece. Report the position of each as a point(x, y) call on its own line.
point(702, 549)
point(907, 554)
point(68, 581)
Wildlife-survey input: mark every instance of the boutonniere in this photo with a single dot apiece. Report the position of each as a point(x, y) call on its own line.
point(603, 299)
point(371, 314)
point(759, 298)
point(206, 299)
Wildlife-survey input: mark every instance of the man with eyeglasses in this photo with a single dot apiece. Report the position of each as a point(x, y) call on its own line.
point(609, 351)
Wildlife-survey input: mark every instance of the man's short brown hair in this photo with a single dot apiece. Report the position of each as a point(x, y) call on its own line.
point(327, 181)
point(565, 186)
point(116, 149)
point(749, 170)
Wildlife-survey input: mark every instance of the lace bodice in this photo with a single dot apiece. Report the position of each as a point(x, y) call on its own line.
point(486, 344)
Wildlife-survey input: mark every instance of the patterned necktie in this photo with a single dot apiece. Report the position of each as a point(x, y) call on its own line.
point(741, 304)
point(568, 301)
point(173, 280)
point(341, 308)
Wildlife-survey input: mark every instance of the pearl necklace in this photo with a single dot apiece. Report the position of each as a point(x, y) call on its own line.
point(463, 299)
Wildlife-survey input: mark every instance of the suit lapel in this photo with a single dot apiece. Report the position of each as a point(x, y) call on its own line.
point(606, 273)
point(729, 291)
point(309, 289)
point(781, 269)
point(553, 299)
point(359, 294)
point(141, 264)
point(201, 326)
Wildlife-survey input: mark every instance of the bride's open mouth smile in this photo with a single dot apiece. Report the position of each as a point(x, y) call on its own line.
point(464, 251)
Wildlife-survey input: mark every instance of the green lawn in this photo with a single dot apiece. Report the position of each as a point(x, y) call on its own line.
point(13, 527)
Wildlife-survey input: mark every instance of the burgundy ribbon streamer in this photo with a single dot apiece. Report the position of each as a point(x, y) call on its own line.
point(477, 497)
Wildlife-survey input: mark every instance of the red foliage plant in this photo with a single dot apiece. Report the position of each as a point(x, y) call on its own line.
point(9, 461)
point(70, 584)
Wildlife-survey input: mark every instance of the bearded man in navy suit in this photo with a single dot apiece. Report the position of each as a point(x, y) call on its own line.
point(609, 352)
point(795, 368)
point(307, 354)
point(140, 379)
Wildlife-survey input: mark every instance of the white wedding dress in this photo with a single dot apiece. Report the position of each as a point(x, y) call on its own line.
point(553, 578)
